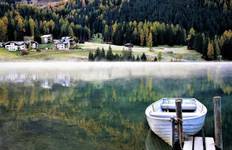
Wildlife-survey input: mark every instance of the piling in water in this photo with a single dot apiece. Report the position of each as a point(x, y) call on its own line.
point(217, 122)
point(173, 131)
point(179, 122)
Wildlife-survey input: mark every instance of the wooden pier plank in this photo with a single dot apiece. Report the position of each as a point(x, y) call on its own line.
point(188, 143)
point(198, 143)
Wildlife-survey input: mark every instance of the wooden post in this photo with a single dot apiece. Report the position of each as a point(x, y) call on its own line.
point(179, 121)
point(173, 131)
point(217, 122)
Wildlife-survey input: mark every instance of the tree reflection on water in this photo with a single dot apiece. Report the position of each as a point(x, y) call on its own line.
point(98, 114)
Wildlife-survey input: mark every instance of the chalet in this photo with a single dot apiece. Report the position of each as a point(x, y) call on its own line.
point(45, 39)
point(30, 44)
point(34, 45)
point(21, 45)
point(63, 45)
point(66, 39)
point(70, 40)
point(11, 46)
point(1, 44)
point(15, 46)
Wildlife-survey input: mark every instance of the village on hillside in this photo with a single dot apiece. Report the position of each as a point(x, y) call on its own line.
point(70, 48)
point(65, 43)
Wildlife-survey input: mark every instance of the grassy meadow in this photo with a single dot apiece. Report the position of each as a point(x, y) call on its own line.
point(176, 53)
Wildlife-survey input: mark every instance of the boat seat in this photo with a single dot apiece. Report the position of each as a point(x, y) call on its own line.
point(172, 114)
point(188, 105)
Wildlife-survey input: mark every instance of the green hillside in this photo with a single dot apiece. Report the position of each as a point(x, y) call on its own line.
point(203, 25)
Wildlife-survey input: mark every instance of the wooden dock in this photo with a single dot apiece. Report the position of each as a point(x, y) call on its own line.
point(196, 143)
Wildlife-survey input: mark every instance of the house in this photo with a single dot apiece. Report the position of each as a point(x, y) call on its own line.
point(1, 44)
point(30, 43)
point(45, 39)
point(34, 45)
point(66, 39)
point(63, 45)
point(21, 45)
point(11, 46)
point(15, 46)
point(70, 40)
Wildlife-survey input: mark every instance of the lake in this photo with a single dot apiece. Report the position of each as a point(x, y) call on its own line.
point(69, 106)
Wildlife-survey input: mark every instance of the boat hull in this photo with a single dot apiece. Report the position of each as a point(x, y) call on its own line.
point(162, 126)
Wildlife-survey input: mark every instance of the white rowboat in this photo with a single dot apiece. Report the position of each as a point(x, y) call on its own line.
point(159, 116)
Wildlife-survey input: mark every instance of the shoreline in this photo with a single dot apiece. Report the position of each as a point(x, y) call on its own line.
point(168, 54)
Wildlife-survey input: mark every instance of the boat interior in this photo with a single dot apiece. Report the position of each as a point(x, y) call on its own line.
point(166, 108)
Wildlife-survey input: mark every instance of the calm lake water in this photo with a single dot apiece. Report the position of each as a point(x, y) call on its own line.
point(70, 106)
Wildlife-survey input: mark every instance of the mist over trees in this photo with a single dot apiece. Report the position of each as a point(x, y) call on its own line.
point(204, 26)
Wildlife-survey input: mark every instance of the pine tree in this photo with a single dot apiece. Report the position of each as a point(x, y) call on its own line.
point(210, 52)
point(144, 57)
point(217, 50)
point(97, 55)
point(32, 26)
point(190, 38)
point(150, 41)
point(19, 21)
point(91, 56)
point(103, 55)
point(109, 54)
point(107, 33)
point(70, 31)
point(155, 59)
point(137, 58)
point(159, 56)
point(3, 30)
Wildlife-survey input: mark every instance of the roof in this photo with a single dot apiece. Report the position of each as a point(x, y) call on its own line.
point(47, 35)
point(20, 43)
point(66, 37)
point(62, 42)
point(15, 42)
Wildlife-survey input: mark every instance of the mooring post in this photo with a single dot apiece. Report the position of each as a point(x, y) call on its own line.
point(179, 121)
point(217, 122)
point(173, 131)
